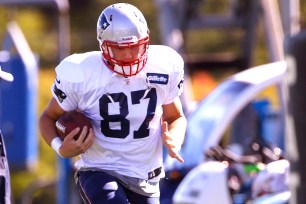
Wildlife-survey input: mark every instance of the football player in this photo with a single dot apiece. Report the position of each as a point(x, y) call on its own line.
point(130, 90)
point(5, 181)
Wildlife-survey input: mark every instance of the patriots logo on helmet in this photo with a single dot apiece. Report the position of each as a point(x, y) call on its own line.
point(103, 23)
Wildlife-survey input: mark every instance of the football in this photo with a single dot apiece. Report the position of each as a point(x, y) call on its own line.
point(71, 120)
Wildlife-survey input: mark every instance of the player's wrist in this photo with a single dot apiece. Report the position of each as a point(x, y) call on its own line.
point(56, 143)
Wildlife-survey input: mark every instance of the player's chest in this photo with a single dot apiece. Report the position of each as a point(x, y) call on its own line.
point(125, 97)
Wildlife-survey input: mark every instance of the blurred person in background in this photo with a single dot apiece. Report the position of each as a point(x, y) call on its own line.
point(5, 184)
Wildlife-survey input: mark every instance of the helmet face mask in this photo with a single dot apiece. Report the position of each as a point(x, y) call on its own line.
point(123, 36)
point(126, 59)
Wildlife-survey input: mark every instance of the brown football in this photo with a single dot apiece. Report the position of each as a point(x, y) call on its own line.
point(71, 120)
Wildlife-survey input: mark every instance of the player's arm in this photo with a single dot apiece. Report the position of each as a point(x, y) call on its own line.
point(173, 128)
point(69, 147)
point(47, 120)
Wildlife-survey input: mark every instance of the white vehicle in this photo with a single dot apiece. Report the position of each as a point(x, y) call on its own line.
point(207, 182)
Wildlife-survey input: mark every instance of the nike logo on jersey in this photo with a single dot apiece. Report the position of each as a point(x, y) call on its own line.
point(180, 85)
point(158, 78)
point(58, 81)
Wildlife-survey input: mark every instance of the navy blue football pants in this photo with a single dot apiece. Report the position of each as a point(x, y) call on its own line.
point(97, 187)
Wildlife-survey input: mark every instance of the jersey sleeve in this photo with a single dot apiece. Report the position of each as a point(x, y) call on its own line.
point(67, 86)
point(176, 77)
point(64, 96)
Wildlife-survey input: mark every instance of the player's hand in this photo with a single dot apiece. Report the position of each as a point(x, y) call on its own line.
point(72, 147)
point(171, 146)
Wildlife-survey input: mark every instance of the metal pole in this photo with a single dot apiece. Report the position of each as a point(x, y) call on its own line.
point(171, 16)
point(295, 122)
point(274, 29)
point(290, 11)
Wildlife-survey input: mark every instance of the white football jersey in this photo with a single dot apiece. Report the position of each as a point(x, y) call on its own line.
point(125, 112)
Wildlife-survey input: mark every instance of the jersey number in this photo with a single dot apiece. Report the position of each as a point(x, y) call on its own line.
point(121, 98)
